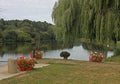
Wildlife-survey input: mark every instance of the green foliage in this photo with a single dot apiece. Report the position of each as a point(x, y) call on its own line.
point(117, 51)
point(64, 54)
point(25, 31)
point(9, 35)
point(16, 36)
point(118, 44)
point(97, 20)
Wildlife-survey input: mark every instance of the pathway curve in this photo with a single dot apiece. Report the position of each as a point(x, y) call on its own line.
point(4, 71)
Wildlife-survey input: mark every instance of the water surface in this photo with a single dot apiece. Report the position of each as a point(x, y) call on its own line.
point(51, 50)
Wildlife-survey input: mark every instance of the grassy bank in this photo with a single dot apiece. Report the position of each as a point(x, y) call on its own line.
point(116, 57)
point(69, 72)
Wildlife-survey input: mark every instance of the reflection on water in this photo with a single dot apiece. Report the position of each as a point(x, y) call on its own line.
point(51, 49)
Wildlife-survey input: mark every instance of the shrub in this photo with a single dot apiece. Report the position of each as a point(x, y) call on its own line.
point(25, 64)
point(65, 54)
point(36, 54)
point(96, 57)
point(117, 51)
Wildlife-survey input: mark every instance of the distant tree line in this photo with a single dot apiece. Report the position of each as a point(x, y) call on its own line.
point(25, 31)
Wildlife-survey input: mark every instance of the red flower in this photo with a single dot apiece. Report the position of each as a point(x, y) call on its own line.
point(33, 58)
point(18, 63)
point(21, 57)
point(29, 68)
point(38, 54)
point(39, 57)
point(96, 57)
point(25, 63)
point(31, 54)
point(93, 58)
point(22, 68)
point(28, 62)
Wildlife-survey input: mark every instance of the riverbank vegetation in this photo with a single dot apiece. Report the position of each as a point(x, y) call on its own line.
point(116, 56)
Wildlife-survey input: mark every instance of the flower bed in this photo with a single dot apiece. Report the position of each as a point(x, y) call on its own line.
point(96, 57)
point(25, 64)
point(37, 54)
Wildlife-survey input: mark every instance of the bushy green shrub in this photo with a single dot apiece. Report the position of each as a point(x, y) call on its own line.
point(65, 54)
point(117, 51)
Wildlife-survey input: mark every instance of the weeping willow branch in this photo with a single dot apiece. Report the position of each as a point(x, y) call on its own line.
point(97, 20)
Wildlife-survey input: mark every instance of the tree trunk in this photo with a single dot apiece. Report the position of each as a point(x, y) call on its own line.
point(65, 58)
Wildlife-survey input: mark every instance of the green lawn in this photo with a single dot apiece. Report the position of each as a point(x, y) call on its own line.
point(69, 72)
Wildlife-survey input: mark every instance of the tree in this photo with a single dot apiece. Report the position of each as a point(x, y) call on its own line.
point(25, 31)
point(96, 20)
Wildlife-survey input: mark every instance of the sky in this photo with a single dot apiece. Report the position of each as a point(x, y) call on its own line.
point(35, 10)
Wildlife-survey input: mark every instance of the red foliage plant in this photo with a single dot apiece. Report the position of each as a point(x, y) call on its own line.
point(96, 57)
point(37, 54)
point(25, 64)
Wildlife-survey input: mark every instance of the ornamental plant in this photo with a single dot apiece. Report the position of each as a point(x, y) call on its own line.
point(65, 54)
point(96, 57)
point(36, 54)
point(25, 64)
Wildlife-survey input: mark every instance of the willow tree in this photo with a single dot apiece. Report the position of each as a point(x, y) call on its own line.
point(96, 20)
